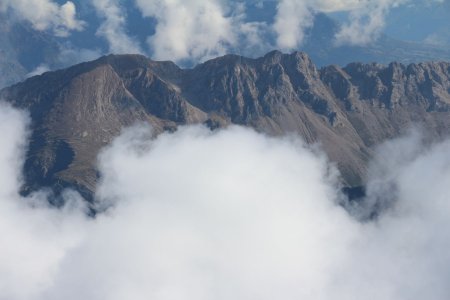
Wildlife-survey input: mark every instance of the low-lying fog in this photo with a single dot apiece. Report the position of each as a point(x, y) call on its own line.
point(230, 214)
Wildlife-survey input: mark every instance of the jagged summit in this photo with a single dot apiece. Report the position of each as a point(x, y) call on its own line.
point(79, 110)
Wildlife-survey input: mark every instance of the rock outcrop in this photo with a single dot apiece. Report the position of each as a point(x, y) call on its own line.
point(77, 111)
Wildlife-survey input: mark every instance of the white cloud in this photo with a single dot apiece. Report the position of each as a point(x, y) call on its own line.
point(113, 28)
point(337, 5)
point(33, 239)
point(194, 30)
point(226, 214)
point(45, 15)
point(402, 254)
point(366, 22)
point(252, 37)
point(292, 19)
point(203, 215)
point(188, 29)
point(70, 55)
point(42, 68)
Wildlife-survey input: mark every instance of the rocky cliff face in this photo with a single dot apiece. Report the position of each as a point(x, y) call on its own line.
point(77, 111)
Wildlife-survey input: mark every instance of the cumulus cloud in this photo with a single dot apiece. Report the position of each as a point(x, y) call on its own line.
point(200, 215)
point(194, 30)
point(366, 22)
point(34, 237)
point(292, 19)
point(227, 214)
point(409, 238)
point(113, 27)
point(45, 15)
point(191, 29)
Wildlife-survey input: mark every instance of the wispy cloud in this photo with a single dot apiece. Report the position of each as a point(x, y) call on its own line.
point(192, 31)
point(42, 68)
point(366, 22)
point(45, 15)
point(189, 29)
point(113, 27)
point(337, 5)
point(292, 19)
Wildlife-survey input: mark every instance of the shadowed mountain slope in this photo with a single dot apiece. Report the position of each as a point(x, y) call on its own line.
point(77, 111)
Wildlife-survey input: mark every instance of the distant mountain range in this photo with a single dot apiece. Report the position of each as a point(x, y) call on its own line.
point(320, 45)
point(24, 50)
point(348, 110)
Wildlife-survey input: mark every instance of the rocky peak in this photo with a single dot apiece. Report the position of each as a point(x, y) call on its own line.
point(79, 110)
point(272, 58)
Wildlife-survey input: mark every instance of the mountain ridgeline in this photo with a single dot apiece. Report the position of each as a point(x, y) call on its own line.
point(77, 111)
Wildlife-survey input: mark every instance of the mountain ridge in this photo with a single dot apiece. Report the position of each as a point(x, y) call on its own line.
point(349, 110)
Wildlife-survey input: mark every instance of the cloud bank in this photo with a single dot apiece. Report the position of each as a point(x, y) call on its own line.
point(34, 237)
point(226, 214)
point(45, 15)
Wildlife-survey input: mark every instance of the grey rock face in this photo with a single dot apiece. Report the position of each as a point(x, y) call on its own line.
point(77, 111)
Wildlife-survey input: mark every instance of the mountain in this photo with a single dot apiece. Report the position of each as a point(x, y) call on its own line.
point(77, 111)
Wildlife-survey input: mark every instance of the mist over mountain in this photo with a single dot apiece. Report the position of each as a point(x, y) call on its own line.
point(77, 111)
point(201, 214)
point(224, 149)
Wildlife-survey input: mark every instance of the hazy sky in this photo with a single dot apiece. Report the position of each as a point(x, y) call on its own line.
point(417, 21)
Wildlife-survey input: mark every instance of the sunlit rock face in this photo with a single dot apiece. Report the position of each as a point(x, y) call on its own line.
point(77, 111)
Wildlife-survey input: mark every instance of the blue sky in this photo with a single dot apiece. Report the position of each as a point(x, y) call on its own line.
point(427, 21)
point(192, 31)
point(136, 25)
point(420, 22)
